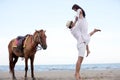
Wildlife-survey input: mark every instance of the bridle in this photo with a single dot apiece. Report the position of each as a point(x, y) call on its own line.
point(39, 47)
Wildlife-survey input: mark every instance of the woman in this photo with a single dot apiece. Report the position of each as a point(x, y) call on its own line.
point(79, 30)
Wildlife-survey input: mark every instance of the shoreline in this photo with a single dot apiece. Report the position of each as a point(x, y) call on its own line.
point(64, 67)
point(109, 74)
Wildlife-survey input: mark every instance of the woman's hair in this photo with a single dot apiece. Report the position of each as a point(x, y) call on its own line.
point(75, 6)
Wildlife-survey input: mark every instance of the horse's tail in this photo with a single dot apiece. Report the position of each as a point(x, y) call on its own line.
point(10, 55)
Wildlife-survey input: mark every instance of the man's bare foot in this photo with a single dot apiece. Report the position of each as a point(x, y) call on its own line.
point(77, 76)
point(96, 30)
point(80, 78)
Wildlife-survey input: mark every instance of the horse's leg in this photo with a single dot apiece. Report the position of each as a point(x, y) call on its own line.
point(32, 67)
point(14, 62)
point(26, 67)
point(10, 62)
point(11, 66)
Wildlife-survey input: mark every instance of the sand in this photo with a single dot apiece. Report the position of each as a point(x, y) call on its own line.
point(66, 75)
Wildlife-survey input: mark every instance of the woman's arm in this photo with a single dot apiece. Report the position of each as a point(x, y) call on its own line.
point(76, 19)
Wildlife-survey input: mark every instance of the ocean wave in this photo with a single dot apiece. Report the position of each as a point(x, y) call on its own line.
point(63, 67)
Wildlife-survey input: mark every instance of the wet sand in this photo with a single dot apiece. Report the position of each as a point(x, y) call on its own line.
point(66, 75)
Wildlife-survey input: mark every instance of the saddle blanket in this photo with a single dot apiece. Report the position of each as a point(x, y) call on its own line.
point(20, 41)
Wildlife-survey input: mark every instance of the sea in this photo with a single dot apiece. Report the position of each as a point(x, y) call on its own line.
point(64, 67)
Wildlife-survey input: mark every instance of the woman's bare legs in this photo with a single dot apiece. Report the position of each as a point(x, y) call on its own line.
point(94, 31)
point(78, 66)
point(91, 33)
point(87, 49)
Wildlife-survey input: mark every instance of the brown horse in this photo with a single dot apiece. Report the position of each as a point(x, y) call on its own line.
point(29, 51)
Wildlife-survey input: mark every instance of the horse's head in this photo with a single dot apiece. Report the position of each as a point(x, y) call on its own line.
point(40, 38)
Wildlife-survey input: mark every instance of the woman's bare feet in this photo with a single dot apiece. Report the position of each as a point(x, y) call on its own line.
point(88, 52)
point(96, 30)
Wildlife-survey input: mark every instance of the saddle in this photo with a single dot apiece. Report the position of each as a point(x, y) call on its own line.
point(19, 43)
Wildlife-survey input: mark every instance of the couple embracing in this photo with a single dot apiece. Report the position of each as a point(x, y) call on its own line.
point(79, 29)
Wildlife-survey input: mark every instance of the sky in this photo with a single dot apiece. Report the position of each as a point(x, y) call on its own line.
point(21, 17)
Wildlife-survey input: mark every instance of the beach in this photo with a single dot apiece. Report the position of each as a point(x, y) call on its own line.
point(109, 74)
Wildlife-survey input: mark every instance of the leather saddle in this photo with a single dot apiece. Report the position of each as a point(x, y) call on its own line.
point(19, 43)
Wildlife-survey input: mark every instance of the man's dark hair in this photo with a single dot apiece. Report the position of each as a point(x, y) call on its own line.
point(70, 25)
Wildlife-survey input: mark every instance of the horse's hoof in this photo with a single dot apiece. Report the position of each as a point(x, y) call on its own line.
point(34, 78)
point(26, 78)
point(14, 78)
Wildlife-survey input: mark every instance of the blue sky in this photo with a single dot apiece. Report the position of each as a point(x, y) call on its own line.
point(21, 17)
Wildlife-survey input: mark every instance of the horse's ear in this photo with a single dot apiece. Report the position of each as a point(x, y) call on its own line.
point(44, 30)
